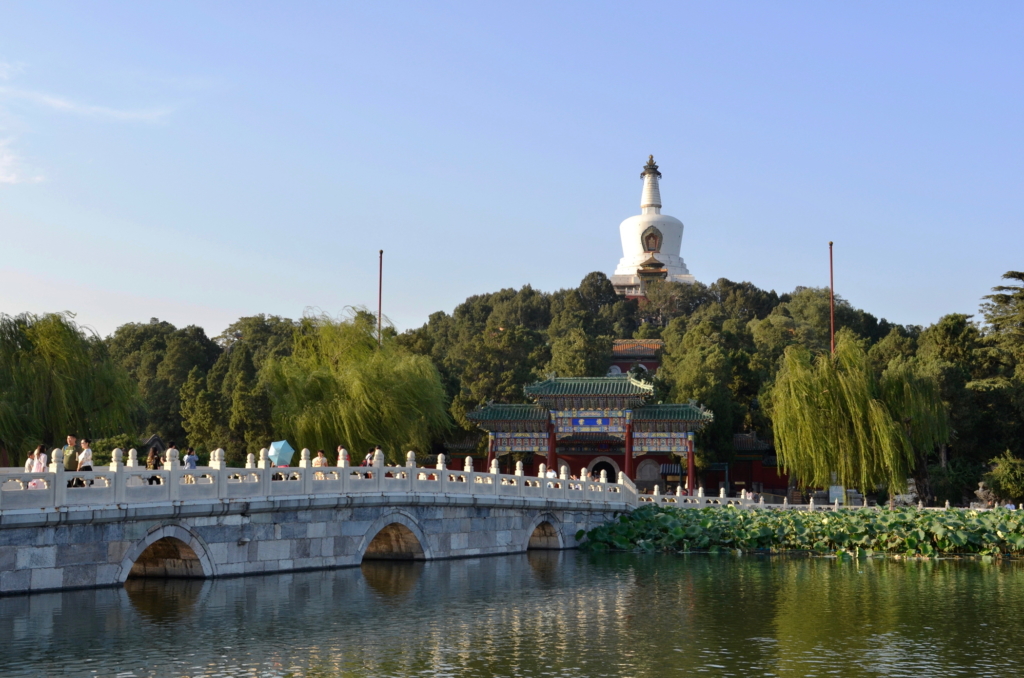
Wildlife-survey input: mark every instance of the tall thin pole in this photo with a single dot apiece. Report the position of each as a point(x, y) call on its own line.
point(831, 300)
point(380, 294)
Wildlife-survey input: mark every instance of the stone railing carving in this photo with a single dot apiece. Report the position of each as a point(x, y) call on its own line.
point(124, 484)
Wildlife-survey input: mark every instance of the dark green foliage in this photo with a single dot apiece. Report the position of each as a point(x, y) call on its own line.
point(57, 379)
point(159, 357)
point(859, 532)
point(1007, 477)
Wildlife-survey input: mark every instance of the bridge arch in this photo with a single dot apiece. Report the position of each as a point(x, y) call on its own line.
point(395, 536)
point(544, 533)
point(169, 551)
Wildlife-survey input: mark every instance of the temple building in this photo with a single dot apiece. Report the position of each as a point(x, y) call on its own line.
point(651, 242)
point(593, 423)
point(628, 354)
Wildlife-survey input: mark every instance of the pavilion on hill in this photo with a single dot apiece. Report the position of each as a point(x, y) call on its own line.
point(593, 423)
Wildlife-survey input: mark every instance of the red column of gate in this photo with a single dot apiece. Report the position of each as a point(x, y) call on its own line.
point(552, 455)
point(627, 468)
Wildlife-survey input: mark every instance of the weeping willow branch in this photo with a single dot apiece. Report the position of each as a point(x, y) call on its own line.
point(337, 387)
point(56, 379)
point(836, 421)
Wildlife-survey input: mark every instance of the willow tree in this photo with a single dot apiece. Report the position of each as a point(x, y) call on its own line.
point(837, 421)
point(338, 387)
point(56, 379)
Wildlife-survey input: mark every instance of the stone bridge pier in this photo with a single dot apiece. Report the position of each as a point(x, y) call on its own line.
point(83, 547)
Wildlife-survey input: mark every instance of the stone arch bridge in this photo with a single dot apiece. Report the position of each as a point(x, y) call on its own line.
point(71, 530)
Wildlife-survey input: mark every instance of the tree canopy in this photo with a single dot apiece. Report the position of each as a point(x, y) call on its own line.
point(58, 379)
point(337, 386)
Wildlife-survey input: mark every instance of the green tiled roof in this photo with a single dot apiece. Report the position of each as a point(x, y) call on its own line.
point(686, 412)
point(499, 412)
point(624, 385)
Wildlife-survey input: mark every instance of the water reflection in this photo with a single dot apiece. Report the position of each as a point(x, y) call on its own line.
point(540, 613)
point(392, 579)
point(165, 600)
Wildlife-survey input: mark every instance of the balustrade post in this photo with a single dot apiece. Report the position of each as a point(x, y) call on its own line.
point(657, 488)
point(563, 473)
point(721, 493)
point(173, 481)
point(468, 466)
point(679, 490)
point(494, 467)
point(119, 478)
point(700, 491)
point(410, 459)
point(378, 459)
point(785, 501)
point(519, 468)
point(264, 462)
point(60, 485)
point(133, 458)
point(761, 500)
point(343, 461)
point(250, 460)
point(440, 463)
point(920, 505)
point(836, 506)
point(810, 504)
point(217, 458)
point(542, 470)
point(604, 476)
point(305, 463)
point(947, 504)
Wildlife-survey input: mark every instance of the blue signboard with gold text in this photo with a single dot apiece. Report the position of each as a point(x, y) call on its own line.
point(610, 422)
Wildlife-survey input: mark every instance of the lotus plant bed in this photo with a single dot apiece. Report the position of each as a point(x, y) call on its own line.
point(845, 532)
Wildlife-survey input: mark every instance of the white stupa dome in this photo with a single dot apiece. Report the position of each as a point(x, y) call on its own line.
point(648, 234)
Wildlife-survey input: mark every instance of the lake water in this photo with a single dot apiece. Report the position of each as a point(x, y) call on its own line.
point(539, 614)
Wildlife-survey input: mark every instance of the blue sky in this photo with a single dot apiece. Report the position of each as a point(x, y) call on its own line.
point(202, 161)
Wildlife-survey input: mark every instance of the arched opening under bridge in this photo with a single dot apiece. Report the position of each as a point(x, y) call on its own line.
point(168, 558)
point(395, 541)
point(544, 537)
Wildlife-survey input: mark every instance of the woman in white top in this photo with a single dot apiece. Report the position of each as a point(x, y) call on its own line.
point(85, 456)
point(38, 459)
point(31, 461)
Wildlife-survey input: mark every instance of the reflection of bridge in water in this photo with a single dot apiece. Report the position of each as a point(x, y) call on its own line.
point(69, 529)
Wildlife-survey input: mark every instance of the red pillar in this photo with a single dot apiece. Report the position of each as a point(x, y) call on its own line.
point(691, 467)
point(490, 452)
point(552, 455)
point(627, 467)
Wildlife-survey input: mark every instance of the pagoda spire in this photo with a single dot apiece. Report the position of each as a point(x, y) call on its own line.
point(650, 199)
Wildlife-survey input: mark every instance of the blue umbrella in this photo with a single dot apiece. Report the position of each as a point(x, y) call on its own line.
point(280, 453)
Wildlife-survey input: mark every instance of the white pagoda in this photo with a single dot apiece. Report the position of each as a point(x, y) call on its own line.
point(651, 242)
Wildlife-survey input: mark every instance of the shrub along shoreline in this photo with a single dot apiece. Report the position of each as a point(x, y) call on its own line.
point(854, 532)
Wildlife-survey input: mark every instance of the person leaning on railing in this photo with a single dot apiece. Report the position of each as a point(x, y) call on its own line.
point(70, 452)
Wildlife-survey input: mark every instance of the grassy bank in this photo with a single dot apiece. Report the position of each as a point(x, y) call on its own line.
point(855, 532)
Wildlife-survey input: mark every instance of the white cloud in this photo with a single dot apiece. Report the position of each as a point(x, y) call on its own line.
point(61, 104)
point(10, 166)
point(7, 70)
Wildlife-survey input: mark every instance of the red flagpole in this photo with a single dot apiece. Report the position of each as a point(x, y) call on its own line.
point(380, 294)
point(831, 300)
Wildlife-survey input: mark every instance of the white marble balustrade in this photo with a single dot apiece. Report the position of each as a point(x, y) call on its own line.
point(129, 484)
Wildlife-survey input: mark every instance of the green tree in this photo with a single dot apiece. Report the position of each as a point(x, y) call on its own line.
point(56, 379)
point(159, 357)
point(836, 420)
point(338, 387)
point(576, 354)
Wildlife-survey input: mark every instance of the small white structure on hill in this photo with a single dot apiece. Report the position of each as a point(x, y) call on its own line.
point(651, 242)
